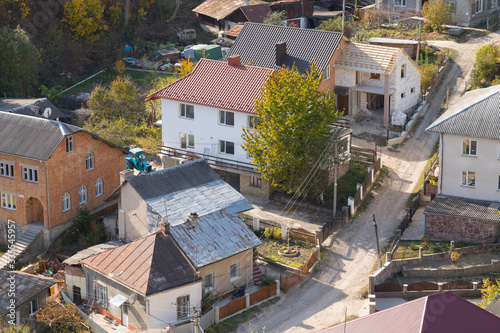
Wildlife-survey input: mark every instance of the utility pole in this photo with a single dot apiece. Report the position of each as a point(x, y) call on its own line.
point(419, 38)
point(195, 312)
point(343, 15)
point(379, 261)
point(335, 163)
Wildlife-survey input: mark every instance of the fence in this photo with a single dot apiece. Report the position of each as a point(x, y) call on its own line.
point(364, 155)
point(424, 288)
point(236, 305)
point(365, 187)
point(430, 188)
point(287, 282)
point(333, 225)
point(409, 216)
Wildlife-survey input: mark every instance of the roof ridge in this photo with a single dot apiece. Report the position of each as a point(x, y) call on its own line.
point(291, 28)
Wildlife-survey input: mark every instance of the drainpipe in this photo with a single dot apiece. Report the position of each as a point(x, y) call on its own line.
point(48, 202)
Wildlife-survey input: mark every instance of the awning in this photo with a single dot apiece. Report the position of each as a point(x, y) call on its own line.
point(118, 300)
point(373, 89)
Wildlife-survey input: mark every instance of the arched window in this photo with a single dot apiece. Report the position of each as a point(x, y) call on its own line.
point(66, 202)
point(83, 194)
point(89, 162)
point(98, 187)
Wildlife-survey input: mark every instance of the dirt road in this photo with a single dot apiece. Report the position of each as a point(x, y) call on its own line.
point(321, 301)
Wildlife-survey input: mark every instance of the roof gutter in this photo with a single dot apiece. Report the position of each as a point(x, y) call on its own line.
point(48, 203)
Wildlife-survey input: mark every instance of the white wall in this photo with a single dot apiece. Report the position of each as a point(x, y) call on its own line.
point(130, 226)
point(404, 85)
point(486, 165)
point(162, 307)
point(205, 128)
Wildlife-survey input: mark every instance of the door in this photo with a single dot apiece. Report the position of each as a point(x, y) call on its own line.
point(77, 295)
point(343, 104)
point(34, 210)
point(124, 315)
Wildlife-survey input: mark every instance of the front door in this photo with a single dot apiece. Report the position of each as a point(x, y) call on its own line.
point(77, 295)
point(34, 210)
point(343, 104)
point(124, 315)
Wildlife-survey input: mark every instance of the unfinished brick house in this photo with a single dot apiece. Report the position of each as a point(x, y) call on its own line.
point(48, 170)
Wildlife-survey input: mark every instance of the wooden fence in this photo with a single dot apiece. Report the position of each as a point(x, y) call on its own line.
point(232, 307)
point(262, 294)
point(287, 282)
point(365, 186)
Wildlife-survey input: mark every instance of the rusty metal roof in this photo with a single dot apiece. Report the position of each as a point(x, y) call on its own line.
point(256, 13)
point(148, 265)
point(216, 236)
point(219, 9)
point(26, 287)
point(93, 250)
point(234, 31)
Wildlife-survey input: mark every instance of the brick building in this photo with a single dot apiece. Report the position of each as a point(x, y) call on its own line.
point(48, 170)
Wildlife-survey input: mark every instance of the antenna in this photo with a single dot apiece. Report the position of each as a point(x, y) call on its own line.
point(47, 112)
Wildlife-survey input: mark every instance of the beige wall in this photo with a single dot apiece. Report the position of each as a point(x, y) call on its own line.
point(263, 191)
point(132, 214)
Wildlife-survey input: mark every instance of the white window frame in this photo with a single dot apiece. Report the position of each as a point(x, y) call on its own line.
point(212, 281)
point(400, 3)
point(223, 147)
point(34, 306)
point(89, 161)
point(183, 111)
point(82, 195)
point(182, 307)
point(233, 277)
point(7, 169)
point(251, 121)
point(66, 202)
point(69, 144)
point(100, 293)
point(327, 73)
point(189, 138)
point(494, 3)
point(223, 118)
point(498, 185)
point(480, 3)
point(255, 181)
point(467, 179)
point(99, 187)
point(30, 174)
point(469, 151)
point(8, 201)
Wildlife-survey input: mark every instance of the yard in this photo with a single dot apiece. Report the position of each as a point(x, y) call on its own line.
point(270, 247)
point(410, 249)
point(346, 185)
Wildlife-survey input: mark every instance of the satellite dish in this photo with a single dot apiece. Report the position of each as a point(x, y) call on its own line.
point(47, 112)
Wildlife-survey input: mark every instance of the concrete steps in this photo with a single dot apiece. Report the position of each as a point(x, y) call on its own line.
point(21, 245)
point(257, 274)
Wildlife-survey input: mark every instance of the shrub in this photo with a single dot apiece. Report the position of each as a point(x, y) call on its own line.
point(437, 13)
point(267, 281)
point(454, 256)
point(484, 64)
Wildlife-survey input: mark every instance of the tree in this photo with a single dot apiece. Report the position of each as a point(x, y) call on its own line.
point(491, 289)
point(19, 60)
point(292, 128)
point(275, 18)
point(57, 317)
point(16, 329)
point(85, 19)
point(336, 25)
point(437, 13)
point(484, 64)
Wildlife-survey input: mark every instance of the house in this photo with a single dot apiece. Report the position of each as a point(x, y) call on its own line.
point(32, 107)
point(494, 306)
point(145, 284)
point(297, 12)
point(410, 46)
point(173, 193)
point(22, 294)
point(467, 205)
point(440, 312)
point(49, 169)
point(220, 246)
point(222, 15)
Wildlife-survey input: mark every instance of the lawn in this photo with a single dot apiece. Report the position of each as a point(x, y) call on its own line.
point(269, 250)
point(410, 249)
point(346, 185)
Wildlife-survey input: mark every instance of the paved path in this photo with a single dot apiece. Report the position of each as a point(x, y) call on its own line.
point(416, 229)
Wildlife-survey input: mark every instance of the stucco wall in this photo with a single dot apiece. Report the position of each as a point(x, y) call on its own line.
point(132, 214)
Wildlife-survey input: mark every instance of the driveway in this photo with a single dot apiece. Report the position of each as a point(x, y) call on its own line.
point(321, 301)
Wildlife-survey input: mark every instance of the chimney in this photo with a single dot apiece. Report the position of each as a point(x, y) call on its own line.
point(280, 53)
point(247, 2)
point(165, 227)
point(193, 218)
point(234, 60)
point(126, 174)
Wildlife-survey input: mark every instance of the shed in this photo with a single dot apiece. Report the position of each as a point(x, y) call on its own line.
point(197, 52)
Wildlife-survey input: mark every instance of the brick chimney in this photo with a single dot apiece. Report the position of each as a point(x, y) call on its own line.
point(193, 218)
point(234, 60)
point(165, 226)
point(280, 53)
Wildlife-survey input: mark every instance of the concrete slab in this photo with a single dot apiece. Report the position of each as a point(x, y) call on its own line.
point(416, 229)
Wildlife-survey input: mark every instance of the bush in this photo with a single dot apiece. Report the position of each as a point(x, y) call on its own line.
point(484, 64)
point(267, 281)
point(437, 13)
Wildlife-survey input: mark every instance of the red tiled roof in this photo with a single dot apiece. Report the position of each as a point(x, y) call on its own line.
point(437, 313)
point(216, 84)
point(234, 31)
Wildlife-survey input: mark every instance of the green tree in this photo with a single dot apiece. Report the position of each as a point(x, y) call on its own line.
point(19, 61)
point(437, 13)
point(16, 329)
point(275, 18)
point(491, 289)
point(56, 317)
point(484, 64)
point(292, 128)
point(336, 25)
point(84, 18)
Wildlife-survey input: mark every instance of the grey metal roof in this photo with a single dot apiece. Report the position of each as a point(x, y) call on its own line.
point(36, 109)
point(475, 114)
point(494, 306)
point(463, 207)
point(93, 250)
point(26, 287)
point(256, 44)
point(31, 137)
point(216, 236)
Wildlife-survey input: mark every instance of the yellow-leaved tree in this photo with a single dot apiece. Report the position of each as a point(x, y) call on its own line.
point(437, 13)
point(84, 18)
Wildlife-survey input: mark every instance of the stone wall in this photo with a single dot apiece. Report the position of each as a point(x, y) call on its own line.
point(263, 191)
point(459, 272)
point(460, 229)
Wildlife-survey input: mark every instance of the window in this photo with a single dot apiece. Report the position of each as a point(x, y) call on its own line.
point(498, 185)
point(66, 202)
point(182, 307)
point(494, 3)
point(469, 147)
point(400, 3)
point(226, 118)
point(89, 161)
point(8, 201)
point(30, 174)
point(479, 6)
point(33, 306)
point(7, 169)
point(375, 76)
point(234, 271)
point(403, 71)
point(187, 140)
point(82, 194)
point(227, 147)
point(69, 144)
point(255, 181)
point(403, 95)
point(253, 121)
point(327, 72)
point(453, 5)
point(468, 178)
point(100, 293)
point(98, 187)
point(209, 281)
point(187, 111)
point(412, 90)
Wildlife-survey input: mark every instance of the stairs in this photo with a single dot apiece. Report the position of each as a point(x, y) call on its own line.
point(22, 243)
point(257, 274)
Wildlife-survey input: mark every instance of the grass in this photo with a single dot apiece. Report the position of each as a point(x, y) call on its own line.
point(232, 323)
point(420, 182)
point(410, 249)
point(269, 250)
point(346, 185)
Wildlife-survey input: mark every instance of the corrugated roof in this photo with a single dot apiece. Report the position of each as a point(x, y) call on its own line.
point(93, 250)
point(368, 58)
point(219, 85)
point(436, 313)
point(26, 287)
point(475, 114)
point(216, 236)
point(31, 137)
point(462, 207)
point(256, 44)
point(148, 265)
point(494, 306)
point(256, 13)
point(219, 9)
